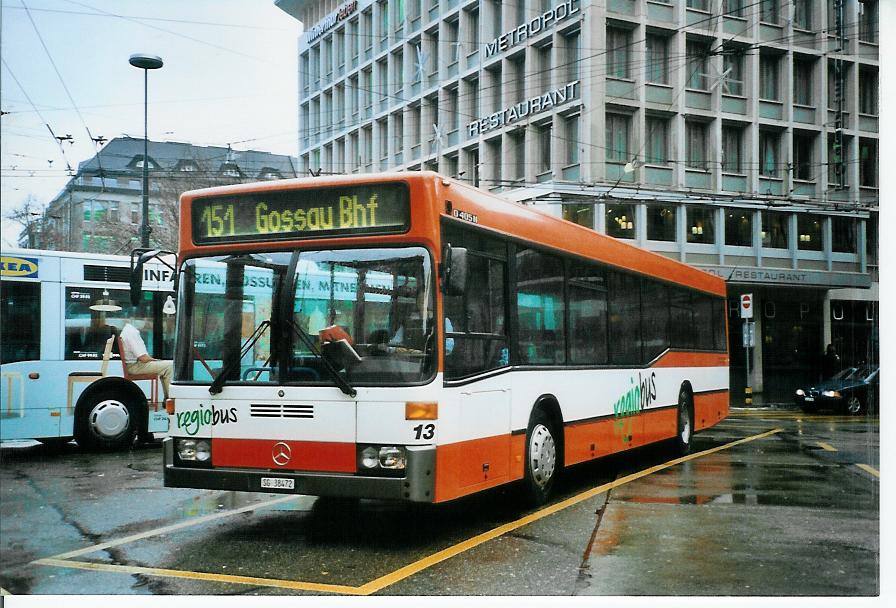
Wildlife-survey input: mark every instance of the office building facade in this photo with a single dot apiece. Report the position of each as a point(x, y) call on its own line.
point(738, 136)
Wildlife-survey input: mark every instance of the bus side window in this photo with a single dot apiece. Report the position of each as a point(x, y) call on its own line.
point(540, 308)
point(20, 321)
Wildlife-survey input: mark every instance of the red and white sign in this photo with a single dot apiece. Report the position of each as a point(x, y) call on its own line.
point(746, 306)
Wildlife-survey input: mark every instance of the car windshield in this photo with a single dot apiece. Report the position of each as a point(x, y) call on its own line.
point(861, 372)
point(344, 317)
point(844, 373)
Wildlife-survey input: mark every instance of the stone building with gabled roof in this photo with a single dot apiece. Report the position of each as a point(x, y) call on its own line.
point(99, 209)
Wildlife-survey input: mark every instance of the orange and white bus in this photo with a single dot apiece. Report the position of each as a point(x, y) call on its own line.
point(407, 336)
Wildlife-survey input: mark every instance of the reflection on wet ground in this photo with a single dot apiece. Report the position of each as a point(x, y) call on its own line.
point(756, 519)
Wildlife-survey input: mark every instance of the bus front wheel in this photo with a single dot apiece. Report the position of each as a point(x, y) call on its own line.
point(106, 422)
point(541, 458)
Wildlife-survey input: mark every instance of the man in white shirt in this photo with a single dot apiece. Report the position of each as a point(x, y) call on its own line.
point(136, 357)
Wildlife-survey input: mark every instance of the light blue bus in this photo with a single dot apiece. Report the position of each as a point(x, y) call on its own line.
point(61, 373)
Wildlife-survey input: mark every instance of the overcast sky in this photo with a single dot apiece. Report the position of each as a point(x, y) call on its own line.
point(230, 76)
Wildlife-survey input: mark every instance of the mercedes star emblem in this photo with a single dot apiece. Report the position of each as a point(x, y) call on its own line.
point(281, 454)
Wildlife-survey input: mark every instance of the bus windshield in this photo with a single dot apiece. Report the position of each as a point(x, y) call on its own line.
point(273, 318)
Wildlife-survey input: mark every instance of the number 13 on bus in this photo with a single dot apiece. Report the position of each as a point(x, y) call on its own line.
point(406, 336)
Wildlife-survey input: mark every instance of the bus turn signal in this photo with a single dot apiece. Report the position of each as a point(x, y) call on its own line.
point(169, 406)
point(420, 410)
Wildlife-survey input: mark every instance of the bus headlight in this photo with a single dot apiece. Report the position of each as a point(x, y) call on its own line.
point(196, 450)
point(388, 460)
point(370, 458)
point(392, 458)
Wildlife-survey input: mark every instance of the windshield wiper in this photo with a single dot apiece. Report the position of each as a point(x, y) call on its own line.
point(219, 380)
point(338, 378)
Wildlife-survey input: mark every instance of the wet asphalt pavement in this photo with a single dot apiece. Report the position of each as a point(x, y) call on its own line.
point(791, 510)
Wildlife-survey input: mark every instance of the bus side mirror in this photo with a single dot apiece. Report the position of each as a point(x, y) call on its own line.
point(454, 269)
point(139, 257)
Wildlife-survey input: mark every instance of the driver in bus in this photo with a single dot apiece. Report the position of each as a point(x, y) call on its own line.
point(138, 360)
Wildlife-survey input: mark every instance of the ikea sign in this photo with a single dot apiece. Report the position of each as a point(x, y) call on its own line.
point(18, 267)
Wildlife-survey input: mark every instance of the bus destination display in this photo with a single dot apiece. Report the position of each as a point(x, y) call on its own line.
point(299, 214)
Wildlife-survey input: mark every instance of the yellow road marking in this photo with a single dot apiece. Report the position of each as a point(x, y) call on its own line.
point(172, 528)
point(426, 562)
point(62, 560)
point(826, 446)
point(869, 469)
point(202, 576)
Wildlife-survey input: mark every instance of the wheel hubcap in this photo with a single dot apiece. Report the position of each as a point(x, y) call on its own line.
point(109, 419)
point(853, 405)
point(542, 455)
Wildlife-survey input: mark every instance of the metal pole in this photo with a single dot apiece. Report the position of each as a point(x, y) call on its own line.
point(144, 228)
point(748, 389)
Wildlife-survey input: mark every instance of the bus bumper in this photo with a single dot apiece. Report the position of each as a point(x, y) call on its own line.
point(418, 485)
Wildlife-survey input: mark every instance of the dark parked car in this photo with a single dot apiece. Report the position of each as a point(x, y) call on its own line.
point(854, 390)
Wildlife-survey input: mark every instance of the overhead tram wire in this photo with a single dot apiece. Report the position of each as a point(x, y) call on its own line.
point(68, 93)
point(58, 142)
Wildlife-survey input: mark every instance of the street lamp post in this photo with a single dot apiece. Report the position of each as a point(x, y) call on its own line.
point(145, 63)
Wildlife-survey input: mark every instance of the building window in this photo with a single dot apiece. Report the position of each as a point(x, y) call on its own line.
point(696, 145)
point(657, 59)
point(617, 137)
point(804, 156)
point(802, 82)
point(809, 229)
point(739, 228)
point(697, 54)
point(572, 140)
point(733, 70)
point(701, 224)
point(769, 12)
point(768, 153)
point(544, 148)
point(868, 13)
point(657, 149)
point(775, 229)
point(844, 231)
point(583, 215)
point(768, 76)
point(868, 163)
point(571, 44)
point(544, 65)
point(518, 152)
point(700, 5)
point(836, 154)
point(661, 223)
point(732, 146)
point(802, 14)
point(733, 8)
point(619, 43)
point(868, 101)
point(621, 221)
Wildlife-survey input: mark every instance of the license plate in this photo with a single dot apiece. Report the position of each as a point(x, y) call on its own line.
point(278, 483)
point(809, 399)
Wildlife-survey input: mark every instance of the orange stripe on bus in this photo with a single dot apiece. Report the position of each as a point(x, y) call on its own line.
point(710, 408)
point(470, 466)
point(691, 359)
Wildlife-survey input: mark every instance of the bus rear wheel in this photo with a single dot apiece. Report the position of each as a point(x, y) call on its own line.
point(685, 426)
point(106, 422)
point(542, 461)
